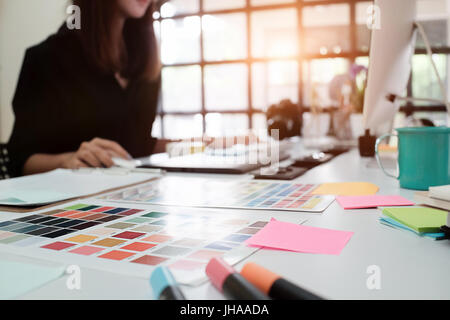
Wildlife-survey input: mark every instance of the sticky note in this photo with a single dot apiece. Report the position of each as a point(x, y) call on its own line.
point(372, 201)
point(298, 238)
point(420, 219)
point(397, 225)
point(347, 189)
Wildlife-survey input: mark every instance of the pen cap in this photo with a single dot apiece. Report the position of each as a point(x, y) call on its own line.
point(260, 277)
point(218, 271)
point(160, 279)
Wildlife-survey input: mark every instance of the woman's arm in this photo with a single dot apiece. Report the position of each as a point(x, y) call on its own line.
point(39, 163)
point(95, 153)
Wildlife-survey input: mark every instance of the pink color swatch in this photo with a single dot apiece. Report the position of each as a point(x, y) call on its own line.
point(129, 235)
point(116, 255)
point(138, 246)
point(294, 237)
point(86, 250)
point(373, 201)
point(205, 255)
point(187, 265)
point(58, 246)
point(102, 209)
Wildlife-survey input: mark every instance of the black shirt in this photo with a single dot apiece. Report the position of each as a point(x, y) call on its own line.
point(62, 100)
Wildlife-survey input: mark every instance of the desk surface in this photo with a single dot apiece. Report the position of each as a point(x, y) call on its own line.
point(411, 267)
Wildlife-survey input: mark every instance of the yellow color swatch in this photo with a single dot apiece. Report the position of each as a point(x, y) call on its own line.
point(81, 238)
point(312, 203)
point(347, 189)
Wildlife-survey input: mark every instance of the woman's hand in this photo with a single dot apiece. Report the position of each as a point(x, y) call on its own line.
point(95, 153)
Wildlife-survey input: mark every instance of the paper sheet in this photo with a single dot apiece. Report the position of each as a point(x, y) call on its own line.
point(17, 279)
point(372, 201)
point(420, 219)
point(299, 238)
point(347, 189)
point(61, 184)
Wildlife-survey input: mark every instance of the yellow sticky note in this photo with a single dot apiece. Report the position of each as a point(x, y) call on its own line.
point(347, 189)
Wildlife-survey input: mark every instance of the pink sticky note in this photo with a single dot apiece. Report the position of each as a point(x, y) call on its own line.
point(293, 237)
point(373, 201)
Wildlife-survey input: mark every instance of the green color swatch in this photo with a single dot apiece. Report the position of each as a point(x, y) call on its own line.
point(155, 215)
point(76, 207)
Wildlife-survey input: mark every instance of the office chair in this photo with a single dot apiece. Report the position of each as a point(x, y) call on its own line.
point(4, 163)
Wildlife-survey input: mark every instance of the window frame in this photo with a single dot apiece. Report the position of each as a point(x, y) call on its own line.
point(300, 57)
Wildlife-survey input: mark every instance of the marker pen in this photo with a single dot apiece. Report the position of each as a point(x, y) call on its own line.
point(164, 285)
point(231, 283)
point(275, 286)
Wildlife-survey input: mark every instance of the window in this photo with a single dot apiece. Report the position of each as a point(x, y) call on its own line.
point(226, 61)
point(434, 16)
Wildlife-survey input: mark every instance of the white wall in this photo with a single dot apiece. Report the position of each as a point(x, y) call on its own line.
point(23, 23)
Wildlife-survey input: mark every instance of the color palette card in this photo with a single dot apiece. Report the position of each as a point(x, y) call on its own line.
point(226, 193)
point(299, 238)
point(372, 201)
point(131, 240)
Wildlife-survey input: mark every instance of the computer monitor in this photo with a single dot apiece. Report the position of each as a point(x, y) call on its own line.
point(391, 49)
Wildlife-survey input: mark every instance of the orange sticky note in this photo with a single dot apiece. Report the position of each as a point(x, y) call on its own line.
point(347, 189)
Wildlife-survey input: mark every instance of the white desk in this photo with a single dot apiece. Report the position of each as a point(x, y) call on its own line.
point(411, 267)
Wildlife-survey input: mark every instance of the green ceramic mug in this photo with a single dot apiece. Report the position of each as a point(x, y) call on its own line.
point(423, 157)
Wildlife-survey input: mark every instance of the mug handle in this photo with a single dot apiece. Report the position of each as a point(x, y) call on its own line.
point(380, 164)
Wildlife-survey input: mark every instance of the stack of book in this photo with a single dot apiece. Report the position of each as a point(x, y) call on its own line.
point(438, 197)
point(423, 221)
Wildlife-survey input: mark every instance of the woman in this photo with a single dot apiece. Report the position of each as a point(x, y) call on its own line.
point(86, 96)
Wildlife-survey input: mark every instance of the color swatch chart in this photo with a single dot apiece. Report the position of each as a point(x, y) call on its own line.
point(130, 240)
point(238, 194)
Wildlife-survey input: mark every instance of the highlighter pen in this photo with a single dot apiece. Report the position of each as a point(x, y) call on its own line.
point(231, 283)
point(164, 285)
point(275, 286)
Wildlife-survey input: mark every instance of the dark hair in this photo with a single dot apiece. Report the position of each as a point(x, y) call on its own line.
point(139, 56)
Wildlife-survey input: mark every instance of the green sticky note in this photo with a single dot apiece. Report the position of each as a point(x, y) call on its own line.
point(17, 279)
point(421, 219)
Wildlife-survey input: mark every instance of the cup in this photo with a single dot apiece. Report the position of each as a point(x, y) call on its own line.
point(423, 157)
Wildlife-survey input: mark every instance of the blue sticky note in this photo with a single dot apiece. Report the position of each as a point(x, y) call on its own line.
point(395, 224)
